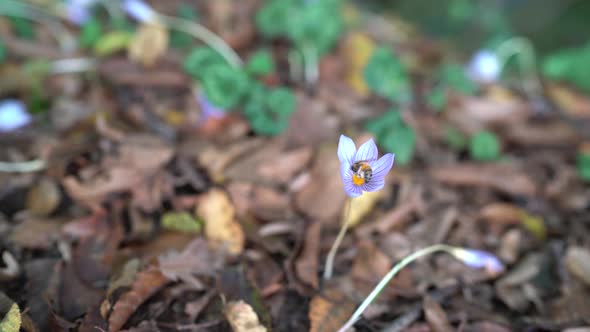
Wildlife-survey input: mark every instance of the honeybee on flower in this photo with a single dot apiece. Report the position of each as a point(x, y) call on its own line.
point(362, 170)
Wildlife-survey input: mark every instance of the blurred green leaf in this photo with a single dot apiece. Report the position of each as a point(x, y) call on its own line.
point(181, 221)
point(112, 42)
point(90, 33)
point(22, 27)
point(454, 76)
point(394, 135)
point(569, 65)
point(437, 98)
point(386, 76)
point(583, 165)
point(224, 86)
point(484, 146)
point(269, 111)
point(201, 58)
point(316, 24)
point(260, 63)
point(3, 52)
point(272, 19)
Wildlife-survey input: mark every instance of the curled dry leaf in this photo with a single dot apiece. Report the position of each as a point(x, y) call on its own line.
point(242, 317)
point(504, 178)
point(146, 284)
point(43, 197)
point(149, 43)
point(221, 226)
point(357, 49)
point(36, 233)
point(12, 320)
point(362, 206)
point(328, 312)
point(501, 213)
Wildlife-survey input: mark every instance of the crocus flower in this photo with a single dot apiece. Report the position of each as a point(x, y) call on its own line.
point(13, 115)
point(479, 259)
point(139, 10)
point(484, 67)
point(361, 170)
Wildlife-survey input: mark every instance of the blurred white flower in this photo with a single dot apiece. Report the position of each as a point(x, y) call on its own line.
point(484, 67)
point(78, 11)
point(13, 115)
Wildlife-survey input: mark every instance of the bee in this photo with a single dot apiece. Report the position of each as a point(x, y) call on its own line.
point(362, 172)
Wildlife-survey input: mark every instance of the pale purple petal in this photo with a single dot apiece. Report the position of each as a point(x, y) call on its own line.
point(373, 185)
point(484, 67)
point(208, 110)
point(139, 10)
point(346, 150)
point(78, 11)
point(367, 151)
point(13, 115)
point(349, 187)
point(382, 166)
point(479, 259)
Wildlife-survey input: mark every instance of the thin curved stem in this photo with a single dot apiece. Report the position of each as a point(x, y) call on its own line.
point(12, 8)
point(200, 32)
point(387, 278)
point(22, 167)
point(310, 65)
point(521, 47)
point(332, 254)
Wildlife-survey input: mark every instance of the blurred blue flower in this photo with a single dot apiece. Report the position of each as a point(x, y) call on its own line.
point(139, 10)
point(78, 11)
point(13, 115)
point(361, 170)
point(208, 110)
point(479, 259)
point(484, 67)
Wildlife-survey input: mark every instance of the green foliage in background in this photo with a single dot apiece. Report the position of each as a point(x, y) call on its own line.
point(201, 58)
point(583, 165)
point(450, 76)
point(484, 146)
point(386, 76)
point(313, 25)
point(90, 33)
point(224, 86)
point(269, 110)
point(455, 139)
point(260, 63)
point(181, 222)
point(570, 65)
point(112, 42)
point(23, 28)
point(3, 52)
point(394, 135)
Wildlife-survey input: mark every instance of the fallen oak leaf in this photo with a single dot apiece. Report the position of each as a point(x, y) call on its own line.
point(146, 284)
point(242, 317)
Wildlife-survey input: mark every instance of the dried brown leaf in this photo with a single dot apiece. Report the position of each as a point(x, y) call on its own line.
point(146, 284)
point(242, 317)
point(307, 265)
point(221, 227)
point(196, 259)
point(43, 197)
point(502, 213)
point(327, 313)
point(577, 260)
point(149, 43)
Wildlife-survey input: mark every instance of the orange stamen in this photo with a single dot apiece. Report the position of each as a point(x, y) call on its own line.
point(357, 180)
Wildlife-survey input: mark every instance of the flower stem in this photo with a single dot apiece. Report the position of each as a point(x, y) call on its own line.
point(310, 65)
point(387, 278)
point(200, 32)
point(22, 167)
point(527, 62)
point(332, 254)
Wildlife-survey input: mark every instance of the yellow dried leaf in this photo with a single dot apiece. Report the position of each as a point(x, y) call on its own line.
point(181, 222)
point(148, 44)
point(12, 320)
point(242, 317)
point(357, 51)
point(218, 214)
point(361, 206)
point(533, 224)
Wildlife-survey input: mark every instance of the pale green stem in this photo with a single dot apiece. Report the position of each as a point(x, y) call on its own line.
point(521, 47)
point(310, 64)
point(73, 65)
point(22, 167)
point(200, 32)
point(387, 278)
point(295, 69)
point(66, 41)
point(332, 254)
